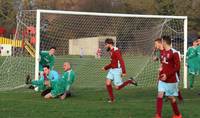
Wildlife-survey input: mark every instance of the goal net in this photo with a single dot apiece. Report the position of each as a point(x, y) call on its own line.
point(79, 38)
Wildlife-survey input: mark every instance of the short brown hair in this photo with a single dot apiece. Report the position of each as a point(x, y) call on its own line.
point(109, 41)
point(167, 39)
point(158, 40)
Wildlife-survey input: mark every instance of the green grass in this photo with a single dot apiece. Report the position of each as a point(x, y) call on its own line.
point(90, 103)
point(89, 94)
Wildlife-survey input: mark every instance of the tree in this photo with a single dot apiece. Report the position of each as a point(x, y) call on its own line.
point(7, 14)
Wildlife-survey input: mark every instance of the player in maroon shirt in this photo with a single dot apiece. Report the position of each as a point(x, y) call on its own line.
point(168, 77)
point(116, 69)
point(158, 52)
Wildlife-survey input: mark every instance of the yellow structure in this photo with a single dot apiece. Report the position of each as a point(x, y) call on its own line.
point(30, 48)
point(18, 43)
point(13, 43)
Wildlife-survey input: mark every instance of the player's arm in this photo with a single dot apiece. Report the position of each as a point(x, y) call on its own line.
point(43, 54)
point(192, 54)
point(176, 59)
point(187, 55)
point(156, 55)
point(121, 61)
point(52, 62)
point(107, 66)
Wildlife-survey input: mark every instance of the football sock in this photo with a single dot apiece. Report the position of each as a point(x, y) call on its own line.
point(175, 108)
point(159, 104)
point(191, 78)
point(110, 92)
point(180, 97)
point(124, 84)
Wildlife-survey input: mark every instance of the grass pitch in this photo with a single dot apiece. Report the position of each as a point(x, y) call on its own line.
point(90, 103)
point(89, 98)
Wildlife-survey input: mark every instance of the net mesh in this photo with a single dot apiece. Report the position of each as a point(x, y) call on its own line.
point(77, 39)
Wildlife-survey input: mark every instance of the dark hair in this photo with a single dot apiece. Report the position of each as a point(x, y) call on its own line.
point(158, 40)
point(167, 39)
point(198, 37)
point(46, 66)
point(109, 41)
point(53, 48)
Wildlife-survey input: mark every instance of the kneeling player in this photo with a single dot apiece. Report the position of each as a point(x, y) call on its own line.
point(116, 70)
point(48, 75)
point(61, 87)
point(69, 77)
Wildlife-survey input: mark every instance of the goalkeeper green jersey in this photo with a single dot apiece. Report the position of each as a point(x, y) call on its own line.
point(53, 77)
point(46, 59)
point(191, 58)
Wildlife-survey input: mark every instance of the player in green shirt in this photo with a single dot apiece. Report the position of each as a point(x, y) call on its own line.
point(47, 58)
point(48, 75)
point(191, 60)
point(69, 76)
point(62, 86)
point(198, 54)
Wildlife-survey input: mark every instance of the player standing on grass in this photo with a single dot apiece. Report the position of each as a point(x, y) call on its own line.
point(191, 59)
point(158, 52)
point(116, 70)
point(198, 56)
point(168, 77)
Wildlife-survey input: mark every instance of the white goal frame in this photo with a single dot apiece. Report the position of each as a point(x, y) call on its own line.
point(38, 14)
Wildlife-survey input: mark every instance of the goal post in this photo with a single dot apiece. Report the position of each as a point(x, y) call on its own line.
point(185, 51)
point(134, 34)
point(184, 18)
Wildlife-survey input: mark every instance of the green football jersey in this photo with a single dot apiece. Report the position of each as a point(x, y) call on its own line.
point(192, 60)
point(198, 57)
point(46, 59)
point(63, 84)
point(68, 77)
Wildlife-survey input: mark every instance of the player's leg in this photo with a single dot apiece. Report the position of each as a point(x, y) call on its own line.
point(48, 96)
point(119, 84)
point(110, 90)
point(45, 92)
point(175, 108)
point(171, 92)
point(180, 97)
point(67, 90)
point(36, 83)
point(191, 79)
point(108, 83)
point(127, 82)
point(159, 99)
point(65, 95)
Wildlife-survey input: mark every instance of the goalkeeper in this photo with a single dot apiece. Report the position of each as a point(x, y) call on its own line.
point(46, 58)
point(48, 74)
point(55, 87)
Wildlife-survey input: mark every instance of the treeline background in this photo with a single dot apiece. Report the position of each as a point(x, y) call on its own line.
point(190, 8)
